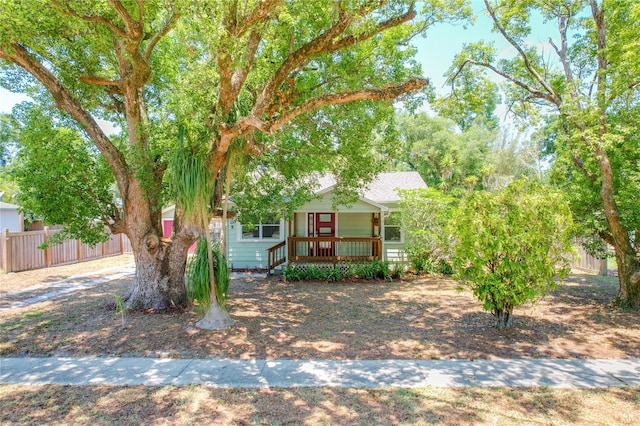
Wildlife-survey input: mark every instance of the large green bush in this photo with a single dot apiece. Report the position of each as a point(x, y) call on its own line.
point(510, 246)
point(425, 217)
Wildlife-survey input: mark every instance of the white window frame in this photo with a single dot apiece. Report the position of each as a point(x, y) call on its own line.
point(384, 231)
point(260, 238)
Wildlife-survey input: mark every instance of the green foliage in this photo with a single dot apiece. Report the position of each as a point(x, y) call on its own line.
point(190, 182)
point(473, 96)
point(425, 218)
point(198, 287)
point(331, 273)
point(198, 283)
point(444, 157)
point(510, 246)
point(8, 138)
point(62, 178)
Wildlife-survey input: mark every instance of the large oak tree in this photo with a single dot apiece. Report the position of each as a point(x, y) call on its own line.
point(262, 78)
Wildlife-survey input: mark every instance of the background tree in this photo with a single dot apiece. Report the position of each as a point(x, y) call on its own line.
point(425, 216)
point(8, 142)
point(443, 155)
point(77, 188)
point(511, 245)
point(8, 147)
point(244, 76)
point(591, 85)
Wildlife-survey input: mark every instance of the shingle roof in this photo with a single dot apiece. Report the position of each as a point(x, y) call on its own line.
point(384, 186)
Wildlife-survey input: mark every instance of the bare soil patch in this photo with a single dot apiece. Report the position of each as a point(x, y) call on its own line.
point(422, 318)
point(16, 281)
point(98, 405)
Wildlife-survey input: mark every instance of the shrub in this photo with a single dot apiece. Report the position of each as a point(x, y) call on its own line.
point(366, 271)
point(198, 287)
point(425, 216)
point(510, 245)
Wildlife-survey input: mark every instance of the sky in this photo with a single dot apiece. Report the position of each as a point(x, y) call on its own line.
point(435, 52)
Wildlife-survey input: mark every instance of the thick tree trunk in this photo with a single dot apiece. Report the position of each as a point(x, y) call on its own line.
point(159, 280)
point(160, 265)
point(626, 256)
point(629, 276)
point(215, 318)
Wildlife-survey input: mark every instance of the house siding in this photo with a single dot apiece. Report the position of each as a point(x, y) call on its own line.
point(354, 225)
point(351, 221)
point(324, 204)
point(248, 254)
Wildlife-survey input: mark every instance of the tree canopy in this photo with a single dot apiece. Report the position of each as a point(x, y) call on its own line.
point(512, 245)
point(586, 87)
point(266, 83)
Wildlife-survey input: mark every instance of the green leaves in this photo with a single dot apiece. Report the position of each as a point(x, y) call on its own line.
point(63, 179)
point(425, 217)
point(510, 246)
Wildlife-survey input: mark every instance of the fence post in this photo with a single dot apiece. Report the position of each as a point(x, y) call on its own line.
point(603, 267)
point(78, 242)
point(47, 252)
point(5, 252)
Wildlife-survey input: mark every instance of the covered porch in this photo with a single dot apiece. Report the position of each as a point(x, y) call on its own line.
point(329, 238)
point(325, 250)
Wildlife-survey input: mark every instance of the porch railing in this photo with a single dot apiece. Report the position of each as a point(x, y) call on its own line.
point(334, 249)
point(276, 255)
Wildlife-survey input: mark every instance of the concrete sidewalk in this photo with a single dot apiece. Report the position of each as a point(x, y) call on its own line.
point(560, 373)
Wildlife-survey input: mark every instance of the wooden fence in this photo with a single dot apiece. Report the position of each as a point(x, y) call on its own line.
point(19, 250)
point(588, 263)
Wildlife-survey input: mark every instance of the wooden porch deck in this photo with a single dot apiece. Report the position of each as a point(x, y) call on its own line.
point(324, 250)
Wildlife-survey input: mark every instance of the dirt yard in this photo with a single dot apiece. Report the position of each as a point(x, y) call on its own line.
point(423, 318)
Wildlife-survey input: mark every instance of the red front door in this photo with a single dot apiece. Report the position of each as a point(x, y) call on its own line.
point(322, 225)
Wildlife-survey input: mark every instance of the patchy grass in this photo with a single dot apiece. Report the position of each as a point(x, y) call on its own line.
point(16, 281)
point(421, 318)
point(84, 405)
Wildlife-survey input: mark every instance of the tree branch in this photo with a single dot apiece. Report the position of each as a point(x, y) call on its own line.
point(537, 93)
point(523, 55)
point(166, 27)
point(134, 28)
point(100, 81)
point(67, 10)
point(384, 93)
point(240, 76)
point(317, 45)
point(390, 23)
point(325, 43)
point(67, 102)
point(260, 13)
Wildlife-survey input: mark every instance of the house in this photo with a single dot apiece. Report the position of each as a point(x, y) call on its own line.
point(367, 230)
point(10, 217)
point(168, 213)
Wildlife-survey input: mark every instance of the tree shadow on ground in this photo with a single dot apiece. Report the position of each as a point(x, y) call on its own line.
point(197, 404)
point(421, 319)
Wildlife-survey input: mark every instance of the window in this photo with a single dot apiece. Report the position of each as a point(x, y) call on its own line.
point(267, 230)
point(392, 231)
